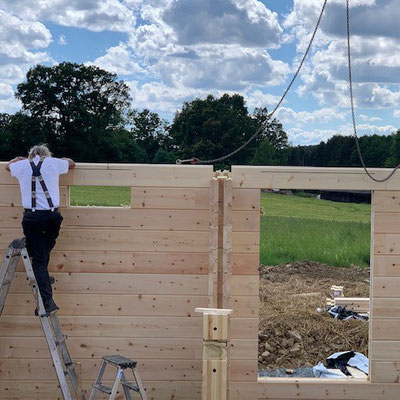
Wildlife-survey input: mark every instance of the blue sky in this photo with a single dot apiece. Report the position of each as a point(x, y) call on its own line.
point(171, 51)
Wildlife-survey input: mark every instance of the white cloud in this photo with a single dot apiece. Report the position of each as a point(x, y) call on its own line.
point(314, 136)
point(396, 113)
point(367, 118)
point(96, 15)
point(19, 41)
point(301, 118)
point(118, 60)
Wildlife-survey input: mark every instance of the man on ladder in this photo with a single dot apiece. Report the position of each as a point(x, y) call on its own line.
point(38, 177)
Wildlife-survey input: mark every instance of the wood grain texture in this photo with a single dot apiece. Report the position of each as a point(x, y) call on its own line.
point(246, 199)
point(313, 388)
point(311, 178)
point(387, 201)
point(121, 240)
point(386, 286)
point(110, 326)
point(10, 196)
point(128, 262)
point(189, 198)
point(385, 265)
point(139, 284)
point(113, 304)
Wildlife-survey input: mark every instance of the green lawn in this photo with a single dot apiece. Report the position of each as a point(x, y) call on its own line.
point(293, 228)
point(110, 196)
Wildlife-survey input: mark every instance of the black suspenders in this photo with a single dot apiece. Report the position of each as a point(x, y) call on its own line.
point(36, 174)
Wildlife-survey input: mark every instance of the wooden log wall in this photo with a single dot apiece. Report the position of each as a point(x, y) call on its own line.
point(127, 281)
point(384, 354)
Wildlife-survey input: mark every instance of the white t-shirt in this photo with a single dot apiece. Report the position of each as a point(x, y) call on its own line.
point(51, 169)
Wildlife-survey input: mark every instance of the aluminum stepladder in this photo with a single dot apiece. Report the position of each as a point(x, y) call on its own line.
point(51, 325)
point(122, 363)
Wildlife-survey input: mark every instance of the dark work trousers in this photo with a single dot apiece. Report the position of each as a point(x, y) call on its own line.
point(41, 229)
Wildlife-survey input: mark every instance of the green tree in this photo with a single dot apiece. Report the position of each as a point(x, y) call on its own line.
point(394, 154)
point(149, 131)
point(214, 127)
point(80, 109)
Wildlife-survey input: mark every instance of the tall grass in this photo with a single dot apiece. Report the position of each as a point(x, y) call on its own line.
point(297, 228)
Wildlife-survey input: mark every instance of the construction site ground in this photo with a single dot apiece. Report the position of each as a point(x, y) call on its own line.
point(295, 331)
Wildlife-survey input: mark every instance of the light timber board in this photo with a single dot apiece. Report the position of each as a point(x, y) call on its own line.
point(139, 284)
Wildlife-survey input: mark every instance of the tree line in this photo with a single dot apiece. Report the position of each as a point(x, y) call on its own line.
point(85, 113)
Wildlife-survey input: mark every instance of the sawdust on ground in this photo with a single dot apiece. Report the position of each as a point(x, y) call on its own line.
point(292, 333)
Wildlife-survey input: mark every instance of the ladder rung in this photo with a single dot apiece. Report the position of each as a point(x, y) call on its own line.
point(131, 385)
point(5, 283)
point(102, 388)
point(61, 341)
point(69, 368)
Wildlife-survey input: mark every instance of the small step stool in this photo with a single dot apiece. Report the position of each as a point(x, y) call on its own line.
point(55, 338)
point(122, 363)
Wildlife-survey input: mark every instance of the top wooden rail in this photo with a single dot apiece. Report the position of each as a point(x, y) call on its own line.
point(107, 174)
point(310, 178)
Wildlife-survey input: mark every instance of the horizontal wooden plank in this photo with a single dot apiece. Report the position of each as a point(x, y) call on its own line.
point(385, 372)
point(245, 306)
point(387, 201)
point(42, 369)
point(245, 263)
point(48, 390)
point(246, 199)
point(384, 350)
point(246, 221)
point(141, 348)
point(128, 262)
point(387, 222)
point(138, 219)
point(190, 198)
point(313, 388)
point(245, 285)
point(359, 304)
point(115, 304)
point(311, 178)
point(385, 329)
point(244, 349)
point(111, 326)
point(175, 370)
point(96, 347)
point(139, 175)
point(121, 240)
point(386, 308)
point(10, 196)
point(245, 242)
point(139, 284)
point(386, 286)
point(386, 244)
point(244, 328)
point(386, 265)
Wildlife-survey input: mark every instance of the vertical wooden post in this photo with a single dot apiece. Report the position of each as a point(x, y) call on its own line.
point(213, 251)
point(227, 244)
point(215, 362)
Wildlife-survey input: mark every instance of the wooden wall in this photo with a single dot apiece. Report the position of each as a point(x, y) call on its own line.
point(385, 304)
point(385, 290)
point(127, 281)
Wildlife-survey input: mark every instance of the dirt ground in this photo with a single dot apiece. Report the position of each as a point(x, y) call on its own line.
point(292, 332)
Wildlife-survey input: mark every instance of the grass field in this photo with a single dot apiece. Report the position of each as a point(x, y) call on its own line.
point(293, 228)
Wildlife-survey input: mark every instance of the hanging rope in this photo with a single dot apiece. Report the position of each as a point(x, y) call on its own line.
point(355, 134)
point(195, 160)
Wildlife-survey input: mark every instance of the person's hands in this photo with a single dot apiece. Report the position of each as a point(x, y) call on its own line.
point(71, 163)
point(16, 159)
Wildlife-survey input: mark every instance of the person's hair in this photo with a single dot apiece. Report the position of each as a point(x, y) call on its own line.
point(40, 150)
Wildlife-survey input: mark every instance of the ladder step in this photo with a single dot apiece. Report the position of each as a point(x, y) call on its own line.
point(102, 388)
point(131, 386)
point(61, 341)
point(69, 368)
